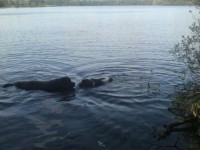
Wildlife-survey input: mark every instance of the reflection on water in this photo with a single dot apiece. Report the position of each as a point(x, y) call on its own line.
point(130, 44)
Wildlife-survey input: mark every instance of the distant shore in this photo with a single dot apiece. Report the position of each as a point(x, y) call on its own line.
point(53, 3)
point(83, 5)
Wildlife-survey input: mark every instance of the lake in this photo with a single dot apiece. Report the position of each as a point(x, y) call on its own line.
point(131, 44)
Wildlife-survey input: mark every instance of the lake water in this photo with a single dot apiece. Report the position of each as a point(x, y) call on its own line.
point(129, 44)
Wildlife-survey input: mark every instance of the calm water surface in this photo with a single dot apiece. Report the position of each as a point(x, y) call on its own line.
point(129, 44)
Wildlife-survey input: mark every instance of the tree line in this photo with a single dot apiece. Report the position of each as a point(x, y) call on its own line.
point(34, 3)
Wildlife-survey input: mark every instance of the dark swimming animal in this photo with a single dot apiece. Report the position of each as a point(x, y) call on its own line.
point(90, 83)
point(63, 84)
point(57, 85)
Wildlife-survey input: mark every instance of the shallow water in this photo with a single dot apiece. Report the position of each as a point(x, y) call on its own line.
point(129, 44)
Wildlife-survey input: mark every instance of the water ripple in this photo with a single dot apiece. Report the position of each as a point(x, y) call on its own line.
point(125, 43)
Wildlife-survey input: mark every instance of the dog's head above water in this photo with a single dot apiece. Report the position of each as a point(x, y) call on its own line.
point(86, 83)
point(89, 83)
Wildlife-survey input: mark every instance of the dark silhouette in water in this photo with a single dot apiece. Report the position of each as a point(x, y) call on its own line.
point(89, 83)
point(63, 84)
point(57, 85)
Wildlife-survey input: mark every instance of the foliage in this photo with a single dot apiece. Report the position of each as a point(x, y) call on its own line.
point(32, 3)
point(173, 2)
point(188, 51)
point(186, 104)
point(186, 107)
point(102, 145)
point(187, 100)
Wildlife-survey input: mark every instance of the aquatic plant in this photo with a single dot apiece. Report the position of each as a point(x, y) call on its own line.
point(102, 145)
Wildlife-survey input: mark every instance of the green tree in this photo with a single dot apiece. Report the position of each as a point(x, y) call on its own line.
point(20, 3)
point(2, 3)
point(186, 103)
point(188, 50)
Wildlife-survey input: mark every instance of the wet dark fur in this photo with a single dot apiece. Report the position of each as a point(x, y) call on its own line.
point(89, 83)
point(56, 85)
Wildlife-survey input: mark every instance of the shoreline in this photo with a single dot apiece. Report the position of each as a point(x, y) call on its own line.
point(88, 6)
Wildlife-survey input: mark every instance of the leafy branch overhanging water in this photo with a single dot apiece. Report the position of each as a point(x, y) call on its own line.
point(186, 103)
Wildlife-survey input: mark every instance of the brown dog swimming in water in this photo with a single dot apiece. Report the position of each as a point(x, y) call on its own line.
point(57, 85)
